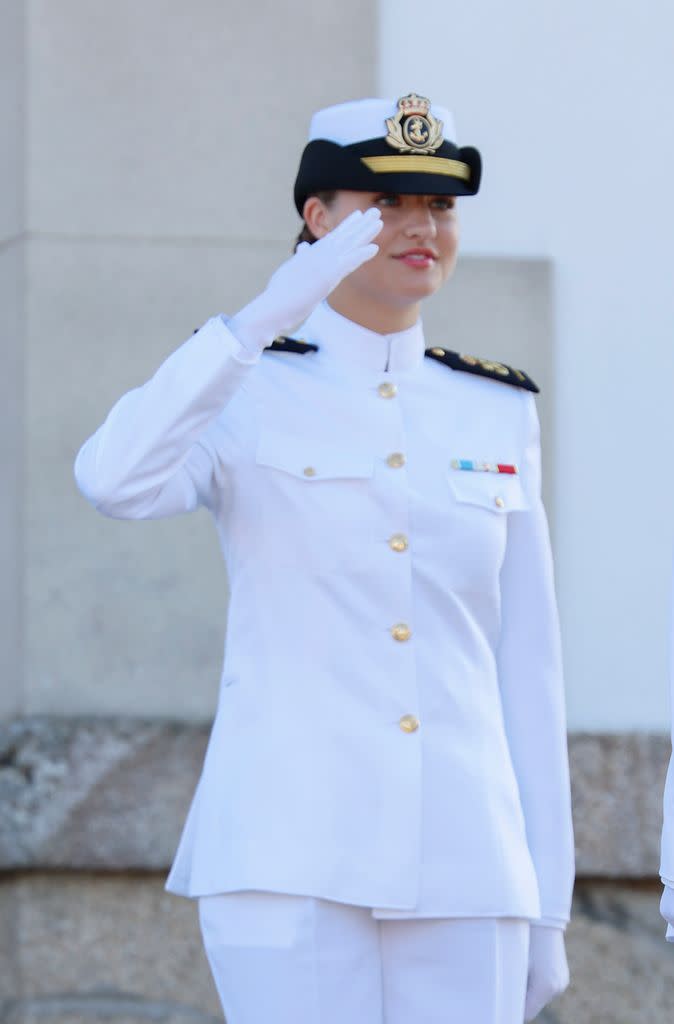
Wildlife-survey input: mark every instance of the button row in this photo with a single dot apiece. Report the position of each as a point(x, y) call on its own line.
point(397, 542)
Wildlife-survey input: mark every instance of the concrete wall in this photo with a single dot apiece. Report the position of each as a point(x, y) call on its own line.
point(163, 141)
point(12, 251)
point(570, 103)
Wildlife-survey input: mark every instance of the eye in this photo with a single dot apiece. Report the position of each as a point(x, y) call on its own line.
point(388, 200)
point(443, 202)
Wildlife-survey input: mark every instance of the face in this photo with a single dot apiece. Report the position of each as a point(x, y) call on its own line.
point(417, 244)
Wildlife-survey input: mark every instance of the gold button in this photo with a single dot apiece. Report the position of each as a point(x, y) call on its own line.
point(310, 471)
point(470, 360)
point(399, 542)
point(396, 460)
point(409, 723)
point(438, 351)
point(387, 389)
point(499, 502)
point(401, 631)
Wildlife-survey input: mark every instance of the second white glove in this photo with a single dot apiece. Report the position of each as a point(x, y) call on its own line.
point(667, 909)
point(548, 968)
point(308, 277)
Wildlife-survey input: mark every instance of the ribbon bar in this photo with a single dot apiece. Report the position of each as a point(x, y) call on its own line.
point(471, 465)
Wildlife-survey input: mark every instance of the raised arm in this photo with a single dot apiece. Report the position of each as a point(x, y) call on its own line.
point(156, 453)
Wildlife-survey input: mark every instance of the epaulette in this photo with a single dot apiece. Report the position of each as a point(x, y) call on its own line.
point(291, 345)
point(285, 345)
point(484, 368)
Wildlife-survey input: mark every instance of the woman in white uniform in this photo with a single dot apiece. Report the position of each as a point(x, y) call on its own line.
point(382, 831)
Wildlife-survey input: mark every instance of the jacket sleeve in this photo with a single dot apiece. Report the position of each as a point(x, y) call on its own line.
point(155, 456)
point(532, 689)
point(667, 851)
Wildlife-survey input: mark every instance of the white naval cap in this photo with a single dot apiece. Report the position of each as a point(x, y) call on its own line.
point(346, 123)
point(404, 146)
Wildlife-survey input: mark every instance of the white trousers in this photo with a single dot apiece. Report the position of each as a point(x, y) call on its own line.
point(280, 959)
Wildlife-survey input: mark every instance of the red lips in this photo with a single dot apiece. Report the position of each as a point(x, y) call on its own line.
point(428, 253)
point(420, 258)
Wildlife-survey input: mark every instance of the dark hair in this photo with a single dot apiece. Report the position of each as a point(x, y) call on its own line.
point(326, 196)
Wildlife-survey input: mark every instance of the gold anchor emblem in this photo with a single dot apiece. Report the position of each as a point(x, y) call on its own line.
point(414, 129)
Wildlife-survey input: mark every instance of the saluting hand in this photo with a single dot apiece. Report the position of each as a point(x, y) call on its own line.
point(548, 968)
point(308, 277)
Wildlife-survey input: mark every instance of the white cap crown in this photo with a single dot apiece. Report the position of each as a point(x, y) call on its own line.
point(347, 123)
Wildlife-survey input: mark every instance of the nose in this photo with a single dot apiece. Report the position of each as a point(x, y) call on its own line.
point(421, 223)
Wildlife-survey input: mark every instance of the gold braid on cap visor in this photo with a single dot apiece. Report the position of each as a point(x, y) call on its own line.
point(410, 164)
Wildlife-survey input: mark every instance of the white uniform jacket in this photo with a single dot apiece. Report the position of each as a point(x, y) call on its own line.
point(390, 730)
point(667, 853)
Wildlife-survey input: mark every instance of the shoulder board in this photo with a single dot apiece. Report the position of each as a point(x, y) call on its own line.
point(285, 345)
point(291, 345)
point(484, 368)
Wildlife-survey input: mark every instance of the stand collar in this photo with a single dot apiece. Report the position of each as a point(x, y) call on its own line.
point(350, 344)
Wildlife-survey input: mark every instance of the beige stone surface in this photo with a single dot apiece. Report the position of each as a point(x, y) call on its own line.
point(170, 119)
point(618, 783)
point(95, 793)
point(9, 928)
point(99, 948)
point(622, 969)
point(112, 793)
point(12, 115)
point(92, 947)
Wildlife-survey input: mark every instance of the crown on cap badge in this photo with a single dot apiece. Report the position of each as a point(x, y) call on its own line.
point(414, 129)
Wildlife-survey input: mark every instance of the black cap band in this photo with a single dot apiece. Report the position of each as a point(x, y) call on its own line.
point(373, 166)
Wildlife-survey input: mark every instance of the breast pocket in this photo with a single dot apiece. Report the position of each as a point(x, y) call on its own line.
point(479, 508)
point(319, 502)
point(498, 493)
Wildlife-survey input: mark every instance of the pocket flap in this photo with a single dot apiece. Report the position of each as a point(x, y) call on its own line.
point(311, 459)
point(498, 492)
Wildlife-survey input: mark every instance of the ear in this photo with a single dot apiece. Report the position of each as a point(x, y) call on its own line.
point(317, 217)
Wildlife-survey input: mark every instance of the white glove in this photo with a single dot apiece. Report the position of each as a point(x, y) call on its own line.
point(667, 905)
point(308, 277)
point(548, 969)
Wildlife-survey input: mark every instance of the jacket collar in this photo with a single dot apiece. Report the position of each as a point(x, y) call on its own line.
point(345, 342)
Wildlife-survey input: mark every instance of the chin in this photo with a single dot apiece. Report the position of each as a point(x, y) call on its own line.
point(417, 291)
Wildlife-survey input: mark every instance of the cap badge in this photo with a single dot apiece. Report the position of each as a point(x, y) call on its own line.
point(414, 129)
